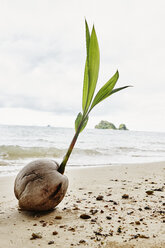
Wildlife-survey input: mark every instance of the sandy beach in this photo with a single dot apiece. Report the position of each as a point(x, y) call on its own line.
point(115, 206)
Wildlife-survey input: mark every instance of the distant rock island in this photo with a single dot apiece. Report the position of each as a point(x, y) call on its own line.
point(109, 125)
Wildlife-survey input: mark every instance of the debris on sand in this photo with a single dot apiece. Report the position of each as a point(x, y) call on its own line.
point(36, 236)
point(85, 216)
point(125, 196)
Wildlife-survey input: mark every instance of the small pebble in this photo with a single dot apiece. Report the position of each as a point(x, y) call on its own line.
point(147, 208)
point(149, 192)
point(85, 216)
point(58, 217)
point(99, 197)
point(51, 242)
point(125, 196)
point(137, 222)
point(72, 229)
point(36, 236)
point(119, 230)
point(143, 236)
point(93, 211)
point(82, 241)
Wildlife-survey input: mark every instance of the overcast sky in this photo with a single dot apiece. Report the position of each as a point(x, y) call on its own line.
point(42, 57)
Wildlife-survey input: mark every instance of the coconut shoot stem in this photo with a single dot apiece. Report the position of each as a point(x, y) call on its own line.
point(61, 169)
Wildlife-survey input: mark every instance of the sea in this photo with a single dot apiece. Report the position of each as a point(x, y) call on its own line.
point(95, 147)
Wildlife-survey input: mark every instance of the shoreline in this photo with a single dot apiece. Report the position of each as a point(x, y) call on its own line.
point(134, 221)
point(77, 167)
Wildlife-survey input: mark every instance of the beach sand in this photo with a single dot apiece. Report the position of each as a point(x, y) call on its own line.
point(123, 206)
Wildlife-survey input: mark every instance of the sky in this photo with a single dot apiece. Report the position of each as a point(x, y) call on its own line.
point(42, 57)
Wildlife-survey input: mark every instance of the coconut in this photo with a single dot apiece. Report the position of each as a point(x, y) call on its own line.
point(39, 186)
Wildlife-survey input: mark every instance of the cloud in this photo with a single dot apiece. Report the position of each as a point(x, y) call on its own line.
point(42, 47)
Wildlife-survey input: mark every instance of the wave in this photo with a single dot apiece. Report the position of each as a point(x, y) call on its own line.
point(18, 152)
point(3, 163)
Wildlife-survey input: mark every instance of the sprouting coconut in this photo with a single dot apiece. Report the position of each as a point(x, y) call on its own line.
point(41, 185)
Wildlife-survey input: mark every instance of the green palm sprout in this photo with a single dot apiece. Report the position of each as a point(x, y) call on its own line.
point(90, 80)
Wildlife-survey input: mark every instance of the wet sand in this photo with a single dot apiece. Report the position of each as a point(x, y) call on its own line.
point(113, 206)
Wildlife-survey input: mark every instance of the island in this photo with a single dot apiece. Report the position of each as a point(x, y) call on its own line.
point(109, 125)
point(122, 127)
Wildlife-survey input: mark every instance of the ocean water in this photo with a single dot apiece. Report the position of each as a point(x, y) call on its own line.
point(22, 144)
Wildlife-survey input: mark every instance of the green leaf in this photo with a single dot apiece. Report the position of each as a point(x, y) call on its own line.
point(85, 87)
point(93, 66)
point(118, 89)
point(78, 121)
point(84, 124)
point(86, 71)
point(87, 39)
point(106, 90)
